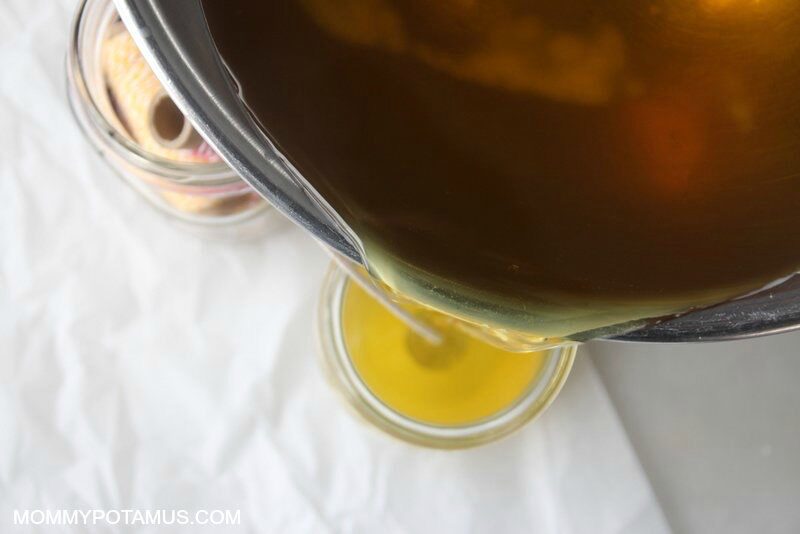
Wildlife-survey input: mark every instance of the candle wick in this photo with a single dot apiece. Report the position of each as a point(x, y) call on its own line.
point(420, 327)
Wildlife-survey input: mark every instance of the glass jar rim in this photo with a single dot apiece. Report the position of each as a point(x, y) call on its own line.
point(337, 364)
point(217, 173)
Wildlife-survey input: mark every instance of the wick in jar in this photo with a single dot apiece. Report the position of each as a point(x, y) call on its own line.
point(420, 328)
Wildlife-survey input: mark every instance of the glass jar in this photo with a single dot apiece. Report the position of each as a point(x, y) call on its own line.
point(203, 196)
point(344, 375)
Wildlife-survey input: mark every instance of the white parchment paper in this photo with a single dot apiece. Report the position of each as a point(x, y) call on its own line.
point(143, 368)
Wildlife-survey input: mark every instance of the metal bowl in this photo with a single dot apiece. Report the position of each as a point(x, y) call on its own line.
point(174, 38)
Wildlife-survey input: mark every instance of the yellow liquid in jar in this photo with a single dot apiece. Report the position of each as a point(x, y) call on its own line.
point(459, 382)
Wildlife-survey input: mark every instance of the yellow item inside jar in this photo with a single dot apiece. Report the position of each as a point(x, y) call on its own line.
point(458, 382)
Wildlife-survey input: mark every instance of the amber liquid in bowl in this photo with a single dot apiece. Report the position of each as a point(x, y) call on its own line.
point(547, 167)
